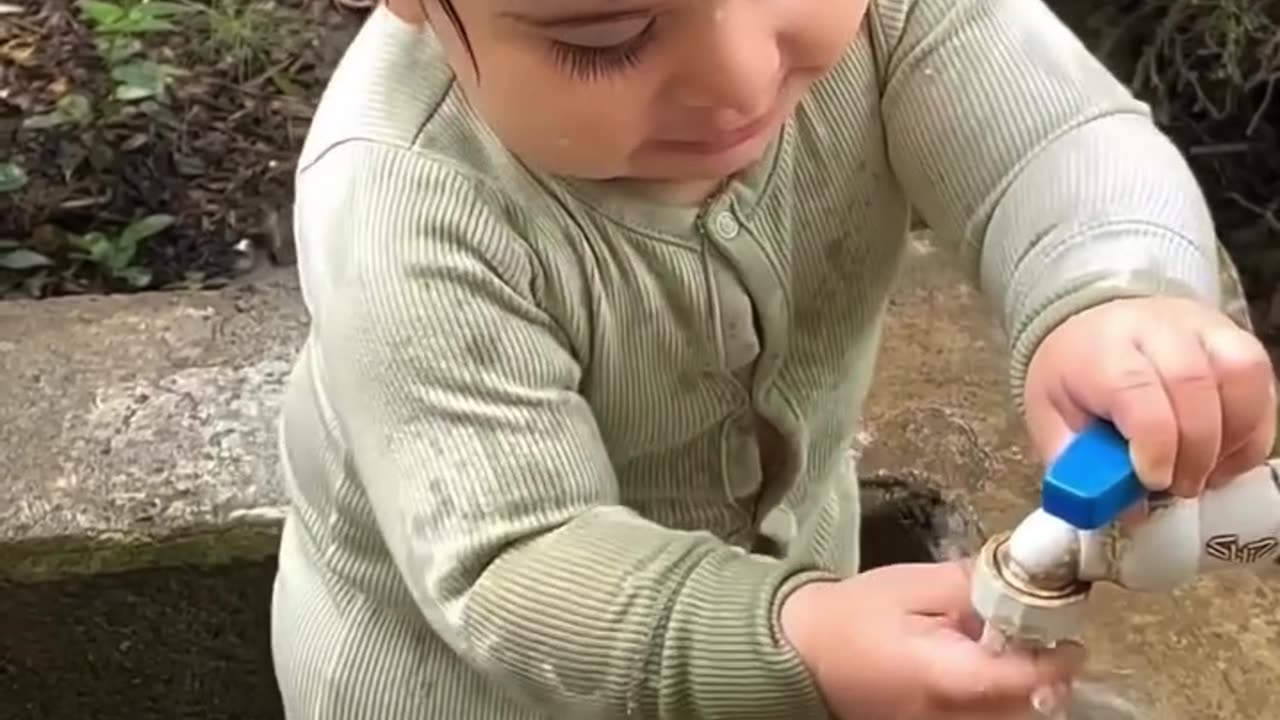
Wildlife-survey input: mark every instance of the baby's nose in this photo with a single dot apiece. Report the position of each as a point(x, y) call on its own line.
point(736, 68)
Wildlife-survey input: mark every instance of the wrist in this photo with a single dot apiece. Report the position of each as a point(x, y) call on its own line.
point(800, 616)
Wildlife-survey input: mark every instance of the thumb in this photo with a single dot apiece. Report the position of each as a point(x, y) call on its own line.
point(1052, 416)
point(964, 673)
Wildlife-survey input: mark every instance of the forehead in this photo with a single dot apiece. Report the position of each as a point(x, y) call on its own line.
point(573, 12)
point(560, 5)
point(563, 7)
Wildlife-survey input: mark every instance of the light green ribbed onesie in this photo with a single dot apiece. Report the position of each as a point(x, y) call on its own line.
point(556, 452)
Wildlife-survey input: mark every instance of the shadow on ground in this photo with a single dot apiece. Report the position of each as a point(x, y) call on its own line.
point(158, 644)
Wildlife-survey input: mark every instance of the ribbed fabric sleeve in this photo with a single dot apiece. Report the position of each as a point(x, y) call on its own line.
point(1016, 143)
point(490, 483)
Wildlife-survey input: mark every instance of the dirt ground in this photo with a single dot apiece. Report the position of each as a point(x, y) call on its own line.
point(137, 149)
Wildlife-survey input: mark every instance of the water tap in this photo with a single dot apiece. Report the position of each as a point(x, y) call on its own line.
point(1031, 585)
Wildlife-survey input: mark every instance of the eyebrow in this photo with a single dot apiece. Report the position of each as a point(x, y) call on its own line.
point(579, 19)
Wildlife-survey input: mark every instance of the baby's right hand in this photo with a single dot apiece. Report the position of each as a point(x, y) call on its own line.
point(901, 642)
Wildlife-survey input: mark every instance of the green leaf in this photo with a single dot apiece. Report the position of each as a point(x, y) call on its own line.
point(140, 79)
point(131, 93)
point(71, 109)
point(160, 8)
point(137, 277)
point(76, 107)
point(12, 177)
point(23, 259)
point(102, 13)
point(45, 121)
point(116, 50)
point(150, 25)
point(140, 230)
point(90, 242)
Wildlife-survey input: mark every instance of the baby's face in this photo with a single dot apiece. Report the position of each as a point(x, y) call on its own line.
point(673, 90)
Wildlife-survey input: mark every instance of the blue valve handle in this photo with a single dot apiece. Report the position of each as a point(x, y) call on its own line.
point(1093, 480)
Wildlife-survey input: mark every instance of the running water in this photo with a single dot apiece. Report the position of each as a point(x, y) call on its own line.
point(1096, 698)
point(1093, 697)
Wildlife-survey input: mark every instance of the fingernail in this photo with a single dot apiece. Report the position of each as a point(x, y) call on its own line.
point(1155, 478)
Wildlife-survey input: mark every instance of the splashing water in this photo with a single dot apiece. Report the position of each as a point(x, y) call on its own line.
point(1096, 698)
point(1093, 697)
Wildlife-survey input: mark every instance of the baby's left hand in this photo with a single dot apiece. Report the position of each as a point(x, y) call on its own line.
point(1193, 393)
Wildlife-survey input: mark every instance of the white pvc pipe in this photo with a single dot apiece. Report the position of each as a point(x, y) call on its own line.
point(1234, 526)
point(1043, 545)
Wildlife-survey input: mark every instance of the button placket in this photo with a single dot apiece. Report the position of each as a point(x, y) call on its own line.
point(742, 469)
point(725, 225)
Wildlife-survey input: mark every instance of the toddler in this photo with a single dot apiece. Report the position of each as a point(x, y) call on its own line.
point(596, 288)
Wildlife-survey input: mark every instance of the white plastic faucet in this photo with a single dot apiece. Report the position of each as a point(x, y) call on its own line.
point(1237, 525)
point(1031, 585)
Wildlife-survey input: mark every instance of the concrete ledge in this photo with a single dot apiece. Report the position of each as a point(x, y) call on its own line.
point(138, 515)
point(133, 420)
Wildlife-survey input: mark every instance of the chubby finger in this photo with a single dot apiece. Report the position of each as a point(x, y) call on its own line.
point(1126, 388)
point(1054, 417)
point(1246, 384)
point(1248, 456)
point(1190, 385)
point(962, 675)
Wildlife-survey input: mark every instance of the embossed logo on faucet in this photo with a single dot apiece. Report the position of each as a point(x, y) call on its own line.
point(1228, 548)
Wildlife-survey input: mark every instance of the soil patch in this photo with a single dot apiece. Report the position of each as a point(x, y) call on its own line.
point(151, 144)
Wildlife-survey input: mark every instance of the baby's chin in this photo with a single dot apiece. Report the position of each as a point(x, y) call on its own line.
point(657, 166)
point(664, 176)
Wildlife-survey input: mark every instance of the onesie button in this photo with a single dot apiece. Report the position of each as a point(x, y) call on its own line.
point(726, 225)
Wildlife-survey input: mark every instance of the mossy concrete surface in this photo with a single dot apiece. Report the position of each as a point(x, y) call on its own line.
point(140, 510)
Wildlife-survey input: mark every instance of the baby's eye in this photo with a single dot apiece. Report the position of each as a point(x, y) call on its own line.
point(603, 35)
point(591, 52)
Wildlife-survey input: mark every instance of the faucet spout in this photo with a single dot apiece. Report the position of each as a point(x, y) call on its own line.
point(1046, 550)
point(1018, 607)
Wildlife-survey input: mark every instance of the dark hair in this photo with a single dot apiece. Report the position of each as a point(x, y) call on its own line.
point(452, 13)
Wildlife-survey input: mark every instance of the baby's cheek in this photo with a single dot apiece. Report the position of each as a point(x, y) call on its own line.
point(821, 31)
point(561, 125)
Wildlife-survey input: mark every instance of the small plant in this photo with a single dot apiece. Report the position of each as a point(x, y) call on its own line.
point(242, 33)
point(115, 255)
point(12, 177)
point(20, 266)
point(72, 109)
point(118, 28)
point(13, 256)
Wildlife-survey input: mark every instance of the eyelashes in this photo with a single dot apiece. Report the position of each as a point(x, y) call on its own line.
point(588, 63)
